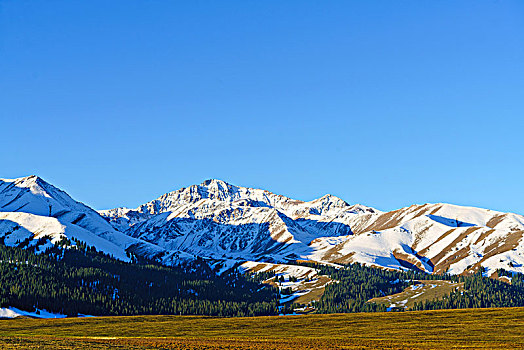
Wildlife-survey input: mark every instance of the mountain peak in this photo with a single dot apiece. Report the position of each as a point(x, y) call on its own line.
point(329, 198)
point(33, 195)
point(215, 185)
point(31, 179)
point(210, 182)
point(32, 183)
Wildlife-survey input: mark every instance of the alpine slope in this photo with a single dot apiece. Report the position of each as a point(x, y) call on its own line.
point(230, 226)
point(220, 221)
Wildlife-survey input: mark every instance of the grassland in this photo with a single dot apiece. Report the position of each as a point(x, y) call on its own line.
point(424, 290)
point(446, 329)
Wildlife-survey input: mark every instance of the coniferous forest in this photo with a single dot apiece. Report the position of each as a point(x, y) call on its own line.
point(357, 284)
point(80, 280)
point(481, 292)
point(84, 281)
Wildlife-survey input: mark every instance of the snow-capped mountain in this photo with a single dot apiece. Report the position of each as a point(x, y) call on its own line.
point(218, 220)
point(221, 193)
point(232, 224)
point(221, 221)
point(434, 238)
point(31, 209)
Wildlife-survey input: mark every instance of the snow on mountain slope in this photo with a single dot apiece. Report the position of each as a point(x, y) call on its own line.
point(17, 227)
point(434, 238)
point(217, 191)
point(12, 312)
point(35, 196)
point(228, 223)
point(305, 282)
point(223, 221)
point(31, 209)
point(255, 233)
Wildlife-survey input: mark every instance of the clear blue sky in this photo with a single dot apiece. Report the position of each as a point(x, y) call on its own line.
point(384, 103)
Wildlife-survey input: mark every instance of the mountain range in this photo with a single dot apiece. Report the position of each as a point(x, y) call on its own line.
point(229, 225)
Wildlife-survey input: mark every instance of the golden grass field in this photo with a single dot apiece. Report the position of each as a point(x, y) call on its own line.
point(446, 329)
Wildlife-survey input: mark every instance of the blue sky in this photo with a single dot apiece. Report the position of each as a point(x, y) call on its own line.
point(384, 103)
